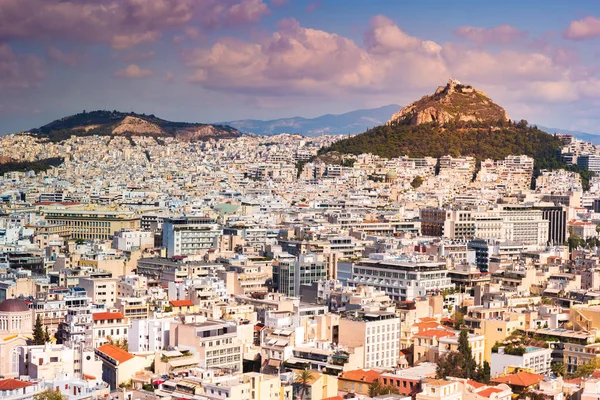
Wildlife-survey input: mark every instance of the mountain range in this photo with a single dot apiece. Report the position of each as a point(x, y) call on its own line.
point(353, 122)
point(330, 124)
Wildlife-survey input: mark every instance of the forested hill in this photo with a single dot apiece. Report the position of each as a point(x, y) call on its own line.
point(476, 139)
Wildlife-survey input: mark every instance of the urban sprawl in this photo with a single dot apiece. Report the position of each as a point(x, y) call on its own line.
point(246, 268)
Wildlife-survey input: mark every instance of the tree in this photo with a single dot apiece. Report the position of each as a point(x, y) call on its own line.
point(558, 368)
point(469, 365)
point(303, 378)
point(377, 389)
point(458, 319)
point(484, 372)
point(417, 182)
point(39, 336)
point(585, 370)
point(450, 364)
point(48, 394)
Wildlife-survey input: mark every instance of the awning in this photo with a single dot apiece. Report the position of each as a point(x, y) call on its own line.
point(274, 363)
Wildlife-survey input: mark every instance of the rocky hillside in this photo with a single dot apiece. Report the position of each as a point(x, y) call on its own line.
point(114, 123)
point(454, 102)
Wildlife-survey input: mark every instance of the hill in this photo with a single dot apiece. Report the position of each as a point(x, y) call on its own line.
point(454, 102)
point(330, 124)
point(457, 120)
point(115, 123)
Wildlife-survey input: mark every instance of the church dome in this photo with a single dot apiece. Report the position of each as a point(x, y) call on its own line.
point(13, 305)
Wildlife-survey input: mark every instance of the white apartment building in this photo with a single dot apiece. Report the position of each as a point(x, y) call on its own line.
point(189, 235)
point(378, 332)
point(149, 334)
point(401, 279)
point(109, 324)
point(536, 358)
point(127, 240)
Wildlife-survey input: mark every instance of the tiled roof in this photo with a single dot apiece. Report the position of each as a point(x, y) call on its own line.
point(116, 353)
point(438, 333)
point(522, 379)
point(103, 316)
point(12, 384)
point(360, 375)
point(489, 391)
point(181, 303)
point(425, 325)
point(475, 384)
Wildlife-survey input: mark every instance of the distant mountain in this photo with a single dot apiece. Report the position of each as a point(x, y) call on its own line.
point(588, 137)
point(330, 124)
point(115, 123)
point(456, 120)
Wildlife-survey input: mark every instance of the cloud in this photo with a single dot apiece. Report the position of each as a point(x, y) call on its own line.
point(133, 72)
point(72, 60)
point(121, 23)
point(247, 11)
point(19, 71)
point(279, 3)
point(503, 34)
point(585, 28)
point(139, 56)
point(301, 61)
point(124, 42)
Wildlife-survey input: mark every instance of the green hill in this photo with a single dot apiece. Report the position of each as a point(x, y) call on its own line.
point(115, 123)
point(456, 139)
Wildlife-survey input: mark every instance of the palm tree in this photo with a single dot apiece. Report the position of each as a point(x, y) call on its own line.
point(558, 368)
point(303, 378)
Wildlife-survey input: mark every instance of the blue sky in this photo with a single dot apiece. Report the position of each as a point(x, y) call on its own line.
point(218, 60)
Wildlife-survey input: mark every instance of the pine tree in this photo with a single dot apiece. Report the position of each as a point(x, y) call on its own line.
point(469, 365)
point(38, 332)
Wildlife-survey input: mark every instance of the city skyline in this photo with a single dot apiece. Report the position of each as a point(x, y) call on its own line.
point(210, 61)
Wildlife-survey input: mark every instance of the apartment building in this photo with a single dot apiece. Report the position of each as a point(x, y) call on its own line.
point(109, 324)
point(401, 279)
point(289, 274)
point(534, 358)
point(150, 335)
point(216, 342)
point(378, 332)
point(189, 235)
point(100, 290)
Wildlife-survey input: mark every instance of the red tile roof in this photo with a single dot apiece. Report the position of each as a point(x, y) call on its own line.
point(334, 398)
point(522, 379)
point(489, 391)
point(116, 353)
point(103, 316)
point(181, 303)
point(438, 333)
point(360, 375)
point(425, 325)
point(475, 384)
point(12, 384)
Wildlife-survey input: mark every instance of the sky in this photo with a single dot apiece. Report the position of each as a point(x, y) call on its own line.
point(223, 60)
